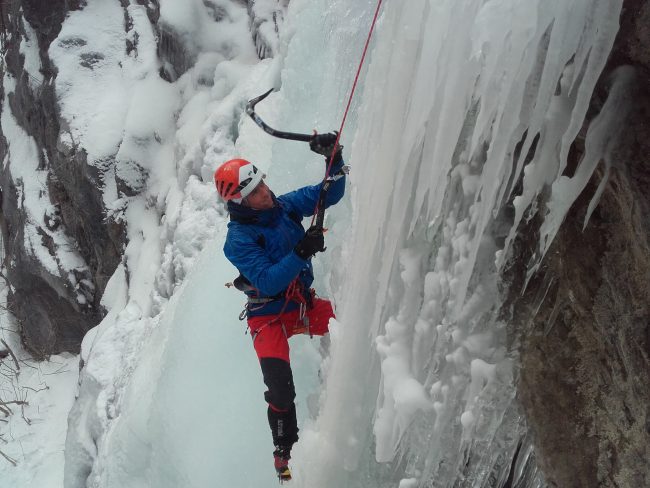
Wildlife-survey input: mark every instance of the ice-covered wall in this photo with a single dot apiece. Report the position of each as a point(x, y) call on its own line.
point(469, 112)
point(191, 116)
point(460, 146)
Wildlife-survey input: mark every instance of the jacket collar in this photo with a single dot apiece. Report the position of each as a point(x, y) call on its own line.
point(246, 215)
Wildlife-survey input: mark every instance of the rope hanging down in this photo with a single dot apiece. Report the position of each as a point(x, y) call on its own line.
point(320, 217)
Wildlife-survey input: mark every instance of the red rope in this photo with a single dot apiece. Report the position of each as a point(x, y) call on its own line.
point(347, 108)
point(291, 290)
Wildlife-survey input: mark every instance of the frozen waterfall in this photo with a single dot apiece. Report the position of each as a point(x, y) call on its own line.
point(459, 135)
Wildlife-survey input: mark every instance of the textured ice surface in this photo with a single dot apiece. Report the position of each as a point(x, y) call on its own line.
point(467, 114)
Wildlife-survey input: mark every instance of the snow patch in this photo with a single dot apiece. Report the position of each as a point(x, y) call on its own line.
point(29, 49)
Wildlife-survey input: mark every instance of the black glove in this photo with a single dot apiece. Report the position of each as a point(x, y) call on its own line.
point(324, 144)
point(313, 242)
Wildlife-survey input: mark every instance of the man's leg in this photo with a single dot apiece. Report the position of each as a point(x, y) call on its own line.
point(280, 397)
point(272, 348)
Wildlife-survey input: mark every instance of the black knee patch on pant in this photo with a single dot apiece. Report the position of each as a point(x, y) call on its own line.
point(279, 381)
point(284, 427)
point(280, 395)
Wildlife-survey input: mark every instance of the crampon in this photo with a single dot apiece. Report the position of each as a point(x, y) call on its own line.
point(281, 462)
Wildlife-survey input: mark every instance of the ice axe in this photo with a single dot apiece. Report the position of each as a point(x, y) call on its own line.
point(250, 110)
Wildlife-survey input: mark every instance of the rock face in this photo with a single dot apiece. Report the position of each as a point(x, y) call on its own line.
point(54, 308)
point(582, 326)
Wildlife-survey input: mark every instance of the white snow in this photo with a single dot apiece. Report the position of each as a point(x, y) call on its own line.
point(29, 49)
point(202, 31)
point(408, 483)
point(92, 91)
point(182, 14)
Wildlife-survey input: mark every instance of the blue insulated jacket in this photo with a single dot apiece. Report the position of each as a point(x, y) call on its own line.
point(260, 243)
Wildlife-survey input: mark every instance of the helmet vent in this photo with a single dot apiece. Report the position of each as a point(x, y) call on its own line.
point(243, 185)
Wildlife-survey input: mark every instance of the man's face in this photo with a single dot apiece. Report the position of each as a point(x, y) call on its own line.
point(260, 198)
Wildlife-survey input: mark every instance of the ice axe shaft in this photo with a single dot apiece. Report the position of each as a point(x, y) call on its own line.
point(250, 110)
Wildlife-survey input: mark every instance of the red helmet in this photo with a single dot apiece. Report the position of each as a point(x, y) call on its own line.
point(236, 178)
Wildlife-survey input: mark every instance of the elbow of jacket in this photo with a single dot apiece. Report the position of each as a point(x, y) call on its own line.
point(334, 201)
point(335, 197)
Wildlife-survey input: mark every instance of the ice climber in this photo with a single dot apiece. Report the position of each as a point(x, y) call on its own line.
point(269, 246)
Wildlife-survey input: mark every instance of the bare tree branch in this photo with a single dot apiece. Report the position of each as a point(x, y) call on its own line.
point(11, 353)
point(24, 361)
point(12, 461)
point(22, 413)
point(14, 402)
point(58, 371)
point(4, 277)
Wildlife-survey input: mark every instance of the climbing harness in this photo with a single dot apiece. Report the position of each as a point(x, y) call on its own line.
point(293, 293)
